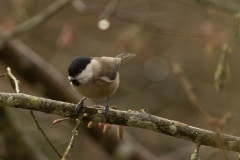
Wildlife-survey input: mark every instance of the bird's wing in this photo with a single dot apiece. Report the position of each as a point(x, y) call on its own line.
point(110, 69)
point(107, 71)
point(111, 65)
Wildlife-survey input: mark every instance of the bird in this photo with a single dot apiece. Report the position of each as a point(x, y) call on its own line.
point(96, 77)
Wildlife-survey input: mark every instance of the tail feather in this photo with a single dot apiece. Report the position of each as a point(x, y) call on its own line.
point(125, 56)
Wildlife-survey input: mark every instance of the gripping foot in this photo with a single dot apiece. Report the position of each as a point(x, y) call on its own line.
point(106, 108)
point(79, 106)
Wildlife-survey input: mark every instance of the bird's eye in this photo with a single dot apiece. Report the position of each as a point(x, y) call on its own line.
point(80, 70)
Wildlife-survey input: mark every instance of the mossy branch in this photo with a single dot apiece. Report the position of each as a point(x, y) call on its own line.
point(132, 119)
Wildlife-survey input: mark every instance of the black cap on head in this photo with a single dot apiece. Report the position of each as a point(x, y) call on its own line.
point(77, 65)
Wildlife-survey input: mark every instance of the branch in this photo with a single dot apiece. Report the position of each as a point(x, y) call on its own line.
point(15, 85)
point(44, 134)
point(70, 145)
point(56, 87)
point(118, 117)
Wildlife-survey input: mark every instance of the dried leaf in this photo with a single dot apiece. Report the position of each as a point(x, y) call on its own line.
point(90, 124)
point(120, 132)
point(106, 128)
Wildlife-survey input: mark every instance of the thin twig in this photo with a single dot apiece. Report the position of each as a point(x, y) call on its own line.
point(215, 123)
point(34, 21)
point(222, 73)
point(109, 9)
point(13, 80)
point(15, 84)
point(188, 88)
point(118, 117)
point(70, 145)
point(195, 155)
point(52, 78)
point(44, 134)
point(79, 6)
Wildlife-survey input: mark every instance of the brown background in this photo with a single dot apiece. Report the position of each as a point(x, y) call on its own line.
point(191, 32)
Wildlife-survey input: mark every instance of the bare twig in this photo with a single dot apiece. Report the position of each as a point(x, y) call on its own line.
point(13, 80)
point(195, 155)
point(110, 9)
point(103, 22)
point(15, 84)
point(79, 6)
point(51, 78)
point(44, 134)
point(33, 63)
point(118, 117)
point(222, 73)
point(70, 145)
point(216, 123)
point(34, 21)
point(188, 88)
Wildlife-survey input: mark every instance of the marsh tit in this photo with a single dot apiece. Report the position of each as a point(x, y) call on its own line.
point(96, 77)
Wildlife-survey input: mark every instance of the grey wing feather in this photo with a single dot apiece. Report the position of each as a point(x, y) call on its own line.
point(125, 56)
point(112, 66)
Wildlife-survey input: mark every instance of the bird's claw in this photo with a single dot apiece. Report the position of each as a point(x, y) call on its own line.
point(79, 106)
point(106, 110)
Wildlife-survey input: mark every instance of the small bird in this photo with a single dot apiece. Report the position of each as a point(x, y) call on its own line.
point(96, 77)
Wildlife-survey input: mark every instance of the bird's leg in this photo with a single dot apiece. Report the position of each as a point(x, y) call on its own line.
point(79, 105)
point(106, 109)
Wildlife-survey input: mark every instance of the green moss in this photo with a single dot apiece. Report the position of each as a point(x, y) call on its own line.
point(137, 122)
point(172, 129)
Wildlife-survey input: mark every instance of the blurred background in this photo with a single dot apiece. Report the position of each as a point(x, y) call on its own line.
point(192, 32)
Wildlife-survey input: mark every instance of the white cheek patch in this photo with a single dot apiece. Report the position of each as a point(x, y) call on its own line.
point(86, 74)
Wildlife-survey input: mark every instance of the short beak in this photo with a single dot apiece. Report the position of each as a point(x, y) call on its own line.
point(70, 79)
point(73, 81)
